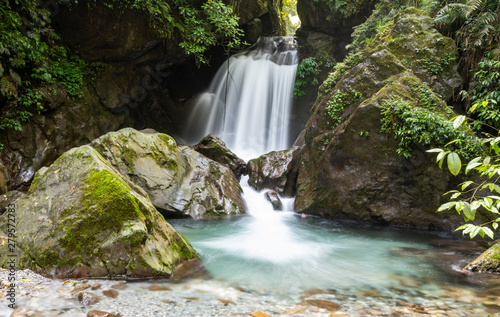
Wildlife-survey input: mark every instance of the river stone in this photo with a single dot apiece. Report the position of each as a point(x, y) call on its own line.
point(179, 180)
point(275, 200)
point(214, 148)
point(352, 171)
point(489, 261)
point(81, 218)
point(276, 170)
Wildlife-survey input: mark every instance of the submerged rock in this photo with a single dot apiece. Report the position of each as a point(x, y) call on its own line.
point(275, 200)
point(489, 261)
point(214, 148)
point(276, 170)
point(351, 170)
point(81, 218)
point(179, 180)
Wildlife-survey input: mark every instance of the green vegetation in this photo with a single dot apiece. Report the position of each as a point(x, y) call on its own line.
point(308, 72)
point(289, 11)
point(213, 23)
point(31, 59)
point(34, 62)
point(345, 9)
point(337, 102)
point(472, 197)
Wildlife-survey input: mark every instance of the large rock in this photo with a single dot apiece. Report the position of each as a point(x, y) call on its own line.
point(276, 170)
point(81, 218)
point(179, 180)
point(489, 261)
point(352, 171)
point(214, 148)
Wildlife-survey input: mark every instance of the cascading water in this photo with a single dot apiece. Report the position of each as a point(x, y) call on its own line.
point(249, 101)
point(248, 107)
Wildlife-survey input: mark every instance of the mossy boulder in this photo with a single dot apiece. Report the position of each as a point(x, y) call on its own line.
point(81, 218)
point(349, 167)
point(276, 170)
point(489, 261)
point(179, 180)
point(214, 148)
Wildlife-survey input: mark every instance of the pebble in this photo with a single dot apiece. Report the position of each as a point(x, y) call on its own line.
point(39, 296)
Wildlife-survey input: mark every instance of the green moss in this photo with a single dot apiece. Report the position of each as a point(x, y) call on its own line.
point(107, 204)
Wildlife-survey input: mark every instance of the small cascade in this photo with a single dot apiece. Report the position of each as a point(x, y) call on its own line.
point(249, 101)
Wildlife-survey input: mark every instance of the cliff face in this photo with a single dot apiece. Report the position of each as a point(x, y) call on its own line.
point(350, 167)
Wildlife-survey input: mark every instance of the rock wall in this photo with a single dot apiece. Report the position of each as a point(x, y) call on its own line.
point(352, 171)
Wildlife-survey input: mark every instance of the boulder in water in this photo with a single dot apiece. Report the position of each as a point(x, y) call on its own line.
point(276, 170)
point(489, 261)
point(179, 180)
point(352, 170)
point(82, 218)
point(214, 148)
point(275, 200)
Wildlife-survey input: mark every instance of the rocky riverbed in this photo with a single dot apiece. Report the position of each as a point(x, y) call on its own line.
point(38, 296)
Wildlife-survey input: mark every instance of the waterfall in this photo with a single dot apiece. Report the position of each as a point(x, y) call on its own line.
point(249, 100)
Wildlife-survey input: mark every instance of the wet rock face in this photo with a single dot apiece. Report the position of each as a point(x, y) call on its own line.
point(352, 171)
point(276, 170)
point(82, 218)
point(180, 181)
point(214, 148)
point(275, 200)
point(489, 261)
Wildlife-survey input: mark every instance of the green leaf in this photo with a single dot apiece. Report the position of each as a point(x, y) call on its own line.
point(495, 225)
point(469, 212)
point(458, 121)
point(447, 206)
point(454, 163)
point(434, 151)
point(466, 184)
point(488, 232)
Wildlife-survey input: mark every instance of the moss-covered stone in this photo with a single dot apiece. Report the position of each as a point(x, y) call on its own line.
point(81, 217)
point(179, 181)
point(350, 168)
point(489, 261)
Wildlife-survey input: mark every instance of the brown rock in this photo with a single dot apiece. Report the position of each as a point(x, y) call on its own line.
point(191, 299)
point(158, 288)
point(96, 286)
point(110, 293)
point(226, 301)
point(86, 298)
point(322, 304)
point(80, 287)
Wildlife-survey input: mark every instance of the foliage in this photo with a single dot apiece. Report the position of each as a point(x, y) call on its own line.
point(308, 72)
point(290, 11)
point(337, 103)
point(339, 70)
point(422, 123)
point(475, 24)
point(472, 197)
point(382, 19)
point(484, 92)
point(344, 8)
point(213, 23)
point(31, 59)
